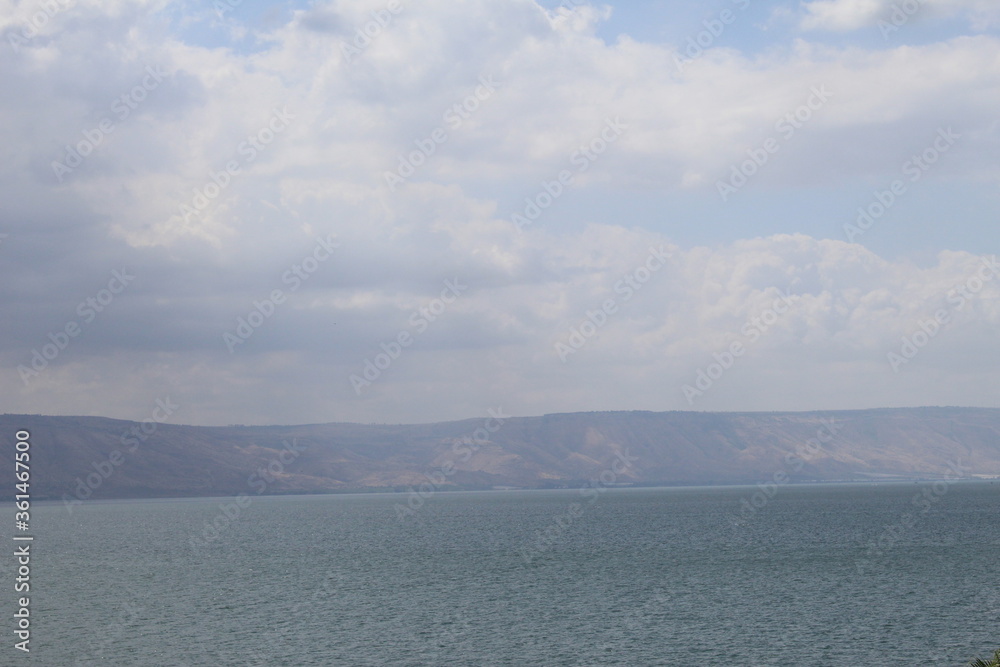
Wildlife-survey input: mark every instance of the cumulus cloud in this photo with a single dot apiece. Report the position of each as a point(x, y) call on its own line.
point(213, 170)
point(500, 339)
point(841, 15)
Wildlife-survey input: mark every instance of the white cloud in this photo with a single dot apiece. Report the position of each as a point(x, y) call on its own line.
point(528, 293)
point(844, 15)
point(559, 83)
point(354, 120)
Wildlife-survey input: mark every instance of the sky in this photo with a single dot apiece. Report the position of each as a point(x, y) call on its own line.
point(395, 212)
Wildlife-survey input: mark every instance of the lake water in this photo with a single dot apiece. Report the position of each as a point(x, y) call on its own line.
point(825, 575)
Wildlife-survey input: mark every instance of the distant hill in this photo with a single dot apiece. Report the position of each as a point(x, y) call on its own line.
point(106, 458)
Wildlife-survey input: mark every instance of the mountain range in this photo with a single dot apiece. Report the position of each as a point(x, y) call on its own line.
point(78, 458)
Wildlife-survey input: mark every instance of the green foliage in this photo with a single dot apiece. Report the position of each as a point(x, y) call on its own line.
point(993, 662)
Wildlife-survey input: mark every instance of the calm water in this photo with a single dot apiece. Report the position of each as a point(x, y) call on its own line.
point(819, 575)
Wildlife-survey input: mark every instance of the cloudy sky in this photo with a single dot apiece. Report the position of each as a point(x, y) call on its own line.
point(401, 211)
